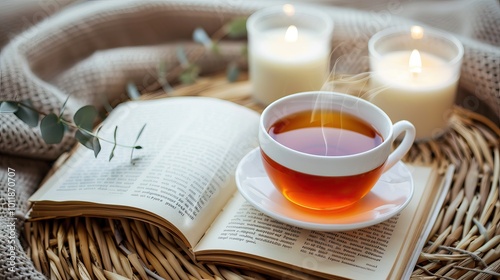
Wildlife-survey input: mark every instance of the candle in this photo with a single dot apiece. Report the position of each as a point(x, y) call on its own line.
point(288, 51)
point(414, 76)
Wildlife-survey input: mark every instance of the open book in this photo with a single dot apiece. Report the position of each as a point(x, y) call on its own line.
point(183, 181)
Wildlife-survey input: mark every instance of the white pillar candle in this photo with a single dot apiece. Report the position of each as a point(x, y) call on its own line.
point(415, 77)
point(288, 51)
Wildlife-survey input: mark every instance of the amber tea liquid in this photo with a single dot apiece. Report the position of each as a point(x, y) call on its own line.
point(323, 133)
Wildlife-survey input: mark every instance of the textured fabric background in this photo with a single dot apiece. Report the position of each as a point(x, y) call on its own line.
point(90, 50)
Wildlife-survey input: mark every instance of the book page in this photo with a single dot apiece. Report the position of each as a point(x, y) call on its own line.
point(184, 172)
point(425, 224)
point(358, 254)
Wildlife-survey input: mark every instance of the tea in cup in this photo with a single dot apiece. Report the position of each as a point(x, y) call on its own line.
point(326, 150)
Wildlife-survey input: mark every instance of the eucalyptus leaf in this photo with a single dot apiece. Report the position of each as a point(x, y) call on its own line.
point(244, 51)
point(106, 105)
point(96, 145)
point(26, 114)
point(85, 117)
point(134, 146)
point(52, 129)
point(216, 49)
point(8, 107)
point(190, 74)
point(167, 88)
point(162, 77)
point(237, 27)
point(84, 138)
point(232, 72)
point(162, 72)
point(201, 36)
point(139, 134)
point(182, 57)
point(112, 154)
point(89, 141)
point(132, 91)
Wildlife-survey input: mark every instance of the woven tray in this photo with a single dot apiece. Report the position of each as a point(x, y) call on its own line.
point(463, 244)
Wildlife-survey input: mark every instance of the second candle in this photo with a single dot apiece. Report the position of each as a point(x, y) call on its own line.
point(289, 50)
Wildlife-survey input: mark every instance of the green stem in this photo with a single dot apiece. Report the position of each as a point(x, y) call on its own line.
point(71, 124)
point(97, 136)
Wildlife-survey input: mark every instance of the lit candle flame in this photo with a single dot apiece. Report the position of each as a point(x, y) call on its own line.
point(291, 34)
point(415, 62)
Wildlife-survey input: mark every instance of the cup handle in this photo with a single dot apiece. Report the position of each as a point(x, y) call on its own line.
point(404, 146)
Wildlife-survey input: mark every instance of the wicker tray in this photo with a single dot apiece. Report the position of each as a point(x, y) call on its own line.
point(463, 244)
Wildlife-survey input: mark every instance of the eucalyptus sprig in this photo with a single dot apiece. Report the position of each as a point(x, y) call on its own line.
point(234, 29)
point(189, 70)
point(53, 126)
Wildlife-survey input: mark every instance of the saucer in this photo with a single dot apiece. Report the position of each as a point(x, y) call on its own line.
point(387, 198)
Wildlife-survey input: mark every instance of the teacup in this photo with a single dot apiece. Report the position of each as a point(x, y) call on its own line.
point(326, 150)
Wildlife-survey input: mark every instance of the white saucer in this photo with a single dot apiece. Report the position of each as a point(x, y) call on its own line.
point(388, 197)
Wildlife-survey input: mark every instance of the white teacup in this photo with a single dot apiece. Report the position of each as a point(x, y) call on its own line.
point(326, 150)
